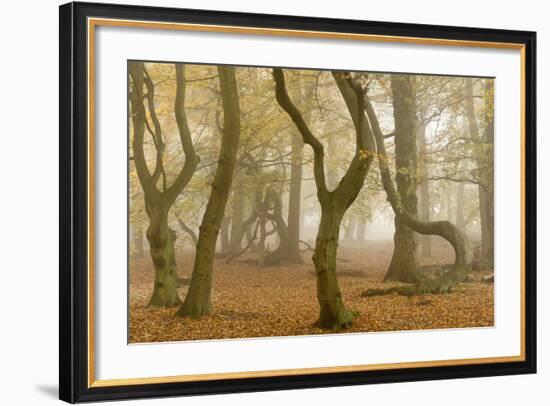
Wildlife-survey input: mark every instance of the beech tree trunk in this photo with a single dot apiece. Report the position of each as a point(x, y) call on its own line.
point(490, 197)
point(449, 198)
point(332, 312)
point(295, 197)
point(485, 167)
point(332, 170)
point(334, 204)
point(425, 204)
point(404, 260)
point(197, 302)
point(161, 241)
point(285, 251)
point(158, 202)
point(237, 216)
point(445, 229)
point(188, 230)
point(460, 220)
point(224, 236)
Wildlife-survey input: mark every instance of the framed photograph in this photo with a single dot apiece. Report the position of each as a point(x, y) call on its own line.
point(257, 202)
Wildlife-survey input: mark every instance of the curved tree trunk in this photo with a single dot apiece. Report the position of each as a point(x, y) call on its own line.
point(188, 230)
point(285, 252)
point(249, 222)
point(158, 202)
point(404, 260)
point(334, 204)
point(197, 302)
point(445, 229)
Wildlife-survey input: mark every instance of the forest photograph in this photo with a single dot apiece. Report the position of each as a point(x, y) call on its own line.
point(270, 202)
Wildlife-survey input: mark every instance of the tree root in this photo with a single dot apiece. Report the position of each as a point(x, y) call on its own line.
point(444, 284)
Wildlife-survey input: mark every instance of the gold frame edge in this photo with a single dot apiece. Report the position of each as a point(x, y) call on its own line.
point(92, 23)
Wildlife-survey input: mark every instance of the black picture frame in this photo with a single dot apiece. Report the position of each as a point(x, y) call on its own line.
point(73, 255)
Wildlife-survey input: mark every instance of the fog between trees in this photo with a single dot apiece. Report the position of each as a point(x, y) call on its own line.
point(286, 166)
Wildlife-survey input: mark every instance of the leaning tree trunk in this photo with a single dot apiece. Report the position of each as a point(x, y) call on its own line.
point(188, 230)
point(463, 253)
point(197, 302)
point(334, 204)
point(224, 236)
point(404, 260)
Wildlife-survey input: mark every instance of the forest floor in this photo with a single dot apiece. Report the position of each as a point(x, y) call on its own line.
point(253, 301)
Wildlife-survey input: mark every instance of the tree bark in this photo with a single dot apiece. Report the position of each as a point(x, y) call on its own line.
point(197, 302)
point(425, 204)
point(463, 253)
point(295, 197)
point(404, 260)
point(237, 216)
point(285, 251)
point(158, 202)
point(332, 312)
point(332, 169)
point(485, 167)
point(460, 220)
point(161, 241)
point(489, 153)
point(224, 236)
point(188, 230)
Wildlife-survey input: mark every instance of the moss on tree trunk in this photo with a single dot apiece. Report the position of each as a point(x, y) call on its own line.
point(159, 201)
point(332, 312)
point(404, 259)
point(161, 241)
point(334, 203)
